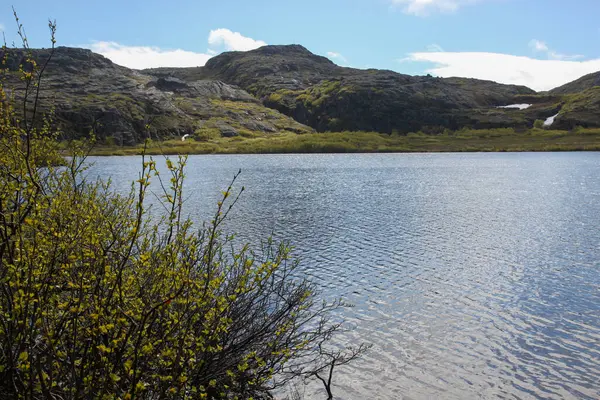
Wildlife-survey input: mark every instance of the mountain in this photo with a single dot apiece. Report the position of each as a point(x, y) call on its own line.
point(281, 89)
point(91, 93)
point(316, 92)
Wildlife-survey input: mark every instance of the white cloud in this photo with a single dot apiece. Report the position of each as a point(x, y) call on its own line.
point(425, 7)
point(232, 40)
point(504, 68)
point(434, 47)
point(332, 55)
point(539, 46)
point(140, 57)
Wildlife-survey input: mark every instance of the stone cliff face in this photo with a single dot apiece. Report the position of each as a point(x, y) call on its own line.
point(282, 88)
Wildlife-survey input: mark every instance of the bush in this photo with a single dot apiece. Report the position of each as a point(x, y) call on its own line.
point(538, 124)
point(98, 300)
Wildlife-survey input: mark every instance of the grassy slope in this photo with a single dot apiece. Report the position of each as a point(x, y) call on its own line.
point(346, 142)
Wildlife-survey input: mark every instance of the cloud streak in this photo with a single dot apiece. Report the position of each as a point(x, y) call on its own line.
point(426, 7)
point(334, 56)
point(541, 47)
point(140, 57)
point(505, 68)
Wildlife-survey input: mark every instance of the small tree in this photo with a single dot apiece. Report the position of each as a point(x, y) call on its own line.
point(538, 124)
point(98, 300)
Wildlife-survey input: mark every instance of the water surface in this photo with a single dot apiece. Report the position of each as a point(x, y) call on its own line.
point(473, 275)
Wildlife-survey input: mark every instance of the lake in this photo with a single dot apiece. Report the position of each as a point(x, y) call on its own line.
point(473, 275)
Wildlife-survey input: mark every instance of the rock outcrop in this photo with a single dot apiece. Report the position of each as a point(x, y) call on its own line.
point(89, 93)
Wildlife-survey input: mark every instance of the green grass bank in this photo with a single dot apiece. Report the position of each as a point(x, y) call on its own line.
point(495, 140)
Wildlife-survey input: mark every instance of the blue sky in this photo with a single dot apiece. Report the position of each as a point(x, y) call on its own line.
point(540, 43)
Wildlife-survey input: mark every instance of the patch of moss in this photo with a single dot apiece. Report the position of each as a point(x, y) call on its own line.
point(205, 134)
point(275, 97)
point(185, 105)
point(311, 98)
point(588, 100)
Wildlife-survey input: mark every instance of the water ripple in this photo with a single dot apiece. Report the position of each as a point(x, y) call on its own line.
point(473, 275)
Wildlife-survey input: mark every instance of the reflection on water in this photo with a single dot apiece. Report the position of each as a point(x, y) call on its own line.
point(473, 275)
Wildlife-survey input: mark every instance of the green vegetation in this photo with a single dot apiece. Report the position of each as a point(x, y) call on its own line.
point(588, 99)
point(100, 301)
point(312, 98)
point(505, 139)
point(255, 118)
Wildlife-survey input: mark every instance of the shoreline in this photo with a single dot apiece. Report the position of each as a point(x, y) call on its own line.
point(493, 140)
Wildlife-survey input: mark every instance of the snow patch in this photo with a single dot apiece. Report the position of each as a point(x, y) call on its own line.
point(550, 120)
point(519, 106)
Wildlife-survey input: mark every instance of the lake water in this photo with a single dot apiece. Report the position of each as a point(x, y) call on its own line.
point(473, 275)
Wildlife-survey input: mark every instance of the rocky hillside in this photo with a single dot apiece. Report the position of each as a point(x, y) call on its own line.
point(580, 109)
point(574, 104)
point(579, 85)
point(316, 92)
point(578, 102)
point(284, 89)
point(92, 94)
